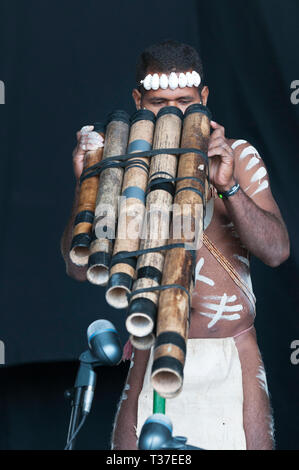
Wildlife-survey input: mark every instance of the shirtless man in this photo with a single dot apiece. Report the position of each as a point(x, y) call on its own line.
point(248, 221)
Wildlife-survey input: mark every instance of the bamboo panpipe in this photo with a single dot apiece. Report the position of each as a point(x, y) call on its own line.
point(79, 251)
point(141, 313)
point(132, 209)
point(173, 312)
point(110, 182)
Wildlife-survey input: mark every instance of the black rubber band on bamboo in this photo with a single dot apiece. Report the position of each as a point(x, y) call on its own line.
point(198, 108)
point(141, 305)
point(118, 115)
point(170, 110)
point(123, 280)
point(143, 115)
point(190, 188)
point(150, 272)
point(130, 260)
point(84, 216)
point(159, 184)
point(99, 259)
point(167, 362)
point(81, 240)
point(171, 337)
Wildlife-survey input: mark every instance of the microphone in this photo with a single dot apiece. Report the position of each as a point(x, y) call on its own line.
point(104, 350)
point(156, 433)
point(103, 341)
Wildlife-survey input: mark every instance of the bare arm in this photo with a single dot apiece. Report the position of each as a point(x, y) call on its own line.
point(262, 232)
point(86, 140)
point(252, 209)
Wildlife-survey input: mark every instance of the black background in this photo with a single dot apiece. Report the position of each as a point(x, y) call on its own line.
point(68, 64)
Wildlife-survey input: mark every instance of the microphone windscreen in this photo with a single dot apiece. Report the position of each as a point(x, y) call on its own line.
point(99, 326)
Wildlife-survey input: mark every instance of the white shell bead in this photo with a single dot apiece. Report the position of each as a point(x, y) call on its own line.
point(196, 78)
point(147, 82)
point(164, 81)
point(173, 81)
point(155, 81)
point(182, 80)
point(189, 79)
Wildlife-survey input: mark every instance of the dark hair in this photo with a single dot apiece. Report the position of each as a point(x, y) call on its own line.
point(168, 56)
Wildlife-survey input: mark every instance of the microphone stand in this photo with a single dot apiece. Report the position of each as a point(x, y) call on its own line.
point(82, 394)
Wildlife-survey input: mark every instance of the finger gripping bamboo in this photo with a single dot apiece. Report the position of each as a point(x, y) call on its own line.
point(174, 302)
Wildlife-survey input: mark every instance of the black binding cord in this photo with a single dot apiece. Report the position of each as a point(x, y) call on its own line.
point(121, 160)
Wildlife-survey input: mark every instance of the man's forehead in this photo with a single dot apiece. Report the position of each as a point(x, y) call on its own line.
point(169, 94)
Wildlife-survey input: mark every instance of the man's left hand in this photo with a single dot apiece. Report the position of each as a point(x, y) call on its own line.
point(221, 159)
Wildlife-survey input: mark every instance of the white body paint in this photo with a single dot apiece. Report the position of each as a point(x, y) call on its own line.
point(242, 259)
point(249, 151)
point(259, 174)
point(262, 186)
point(252, 162)
point(221, 308)
point(200, 277)
point(237, 143)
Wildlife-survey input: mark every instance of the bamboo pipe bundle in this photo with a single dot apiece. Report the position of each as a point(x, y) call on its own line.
point(173, 312)
point(141, 313)
point(110, 182)
point(79, 251)
point(132, 208)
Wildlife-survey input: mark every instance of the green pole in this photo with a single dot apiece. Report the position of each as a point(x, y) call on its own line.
point(159, 403)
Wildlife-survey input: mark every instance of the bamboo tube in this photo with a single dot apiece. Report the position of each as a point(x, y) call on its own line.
point(173, 312)
point(110, 181)
point(142, 309)
point(132, 209)
point(144, 342)
point(79, 251)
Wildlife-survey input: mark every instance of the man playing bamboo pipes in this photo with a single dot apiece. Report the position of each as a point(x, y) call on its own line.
point(225, 400)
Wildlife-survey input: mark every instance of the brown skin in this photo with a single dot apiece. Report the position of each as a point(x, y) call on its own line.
point(259, 224)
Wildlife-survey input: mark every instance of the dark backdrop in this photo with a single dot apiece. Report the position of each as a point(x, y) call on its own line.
point(67, 64)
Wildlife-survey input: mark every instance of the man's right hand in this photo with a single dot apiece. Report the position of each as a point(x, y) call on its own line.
point(86, 140)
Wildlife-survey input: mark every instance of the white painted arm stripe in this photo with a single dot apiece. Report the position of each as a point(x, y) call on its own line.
point(238, 142)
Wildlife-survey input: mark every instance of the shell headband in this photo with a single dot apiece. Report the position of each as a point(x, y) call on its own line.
point(173, 81)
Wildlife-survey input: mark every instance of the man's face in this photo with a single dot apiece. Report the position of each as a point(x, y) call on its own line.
point(154, 100)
